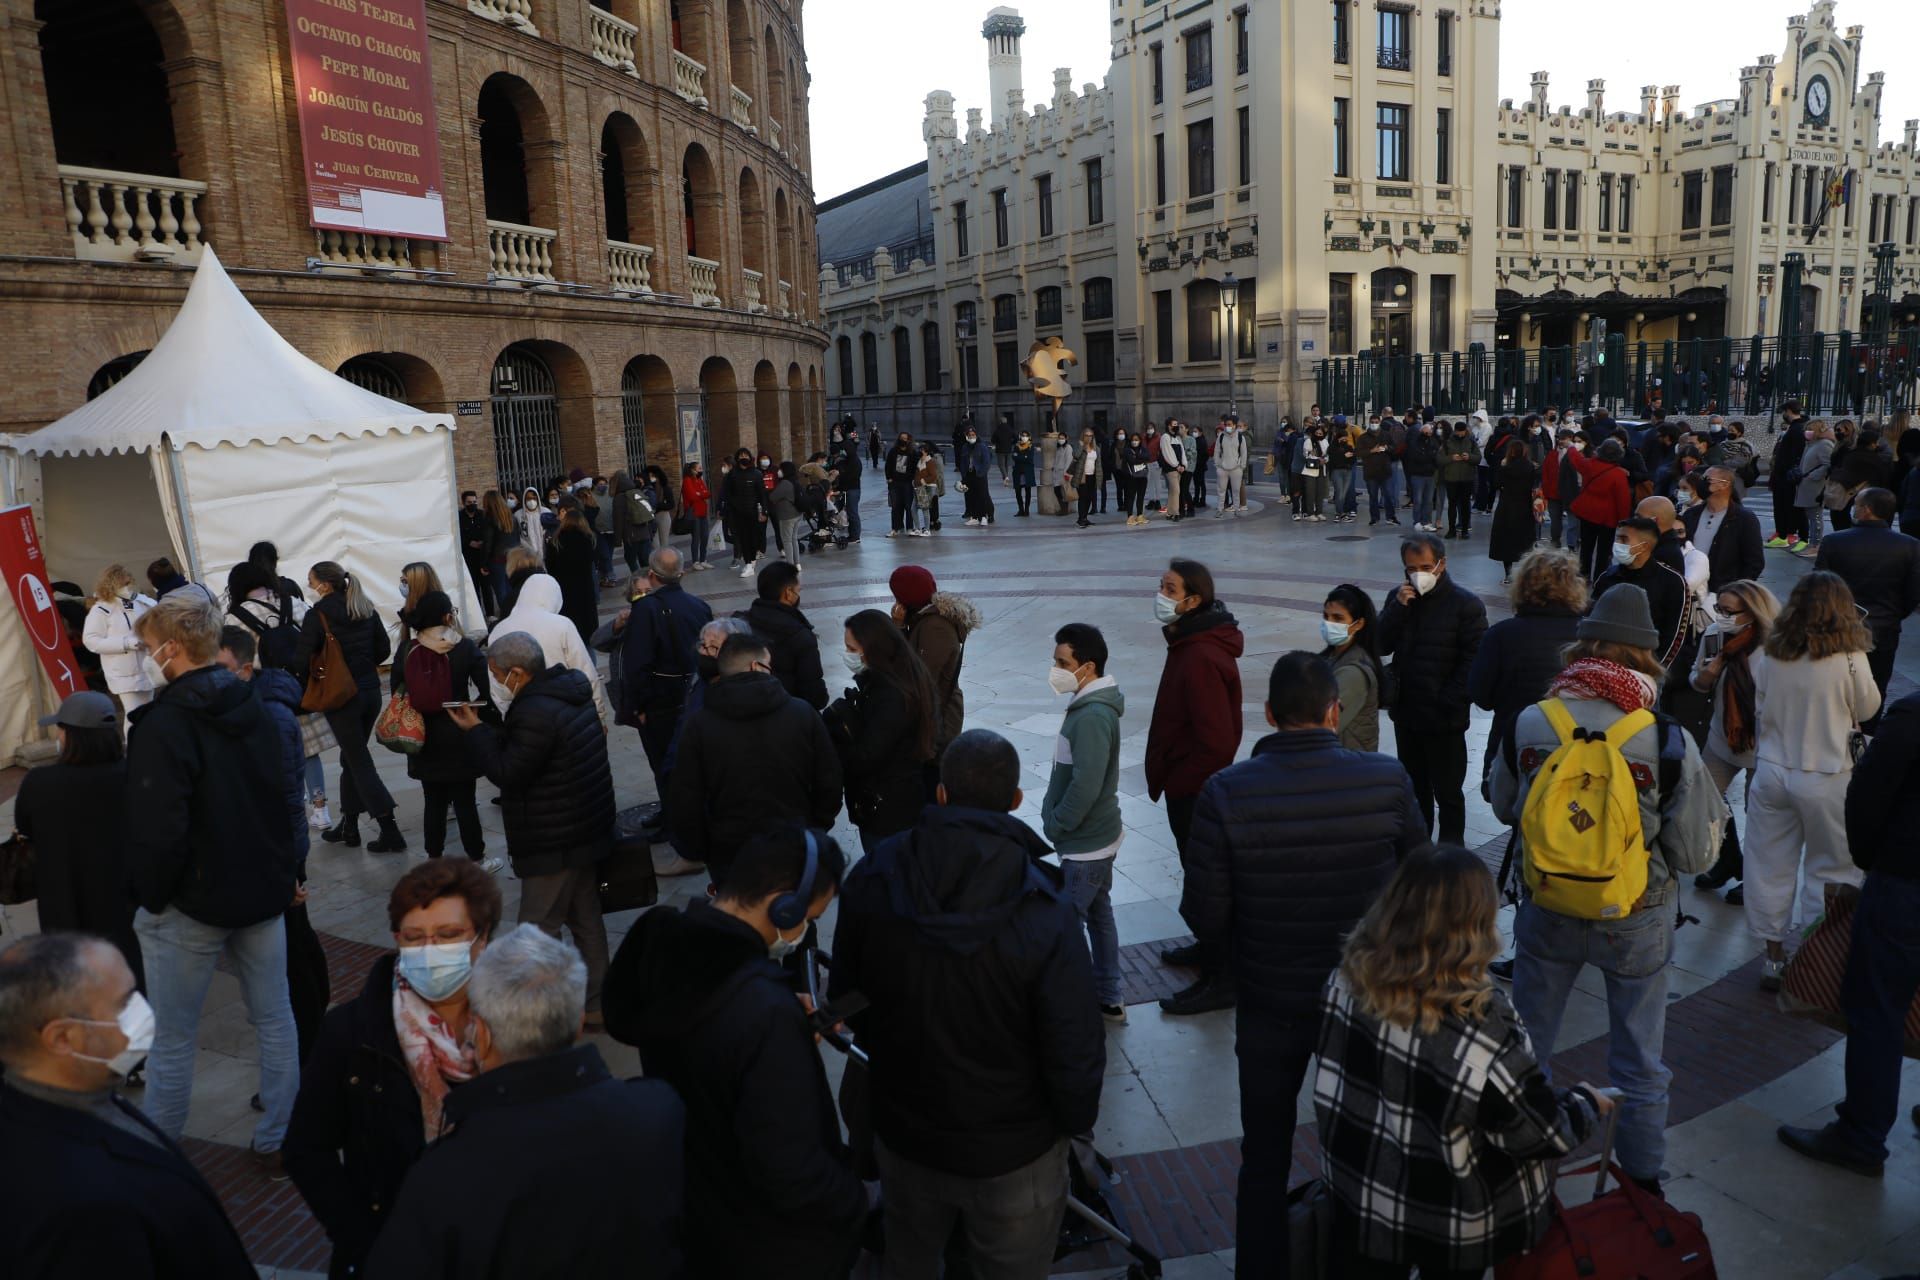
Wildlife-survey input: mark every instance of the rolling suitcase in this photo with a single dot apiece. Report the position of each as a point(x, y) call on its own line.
point(1622, 1234)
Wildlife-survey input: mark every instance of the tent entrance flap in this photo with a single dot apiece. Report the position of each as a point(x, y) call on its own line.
point(104, 509)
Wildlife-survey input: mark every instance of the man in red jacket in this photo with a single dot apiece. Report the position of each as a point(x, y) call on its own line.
point(1195, 733)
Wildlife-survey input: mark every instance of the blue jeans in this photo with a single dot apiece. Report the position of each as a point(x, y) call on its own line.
point(851, 498)
point(1380, 500)
point(1422, 489)
point(1565, 525)
point(701, 527)
point(1632, 955)
point(1090, 889)
point(1883, 972)
point(179, 953)
point(1343, 499)
point(1396, 484)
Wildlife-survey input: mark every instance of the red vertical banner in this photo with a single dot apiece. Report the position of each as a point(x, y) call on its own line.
point(24, 571)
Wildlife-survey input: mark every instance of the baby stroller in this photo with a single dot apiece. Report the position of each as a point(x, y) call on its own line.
point(1093, 1217)
point(828, 526)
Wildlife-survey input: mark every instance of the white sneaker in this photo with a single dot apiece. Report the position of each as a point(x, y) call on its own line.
point(493, 866)
point(746, 571)
point(317, 816)
point(892, 533)
point(969, 522)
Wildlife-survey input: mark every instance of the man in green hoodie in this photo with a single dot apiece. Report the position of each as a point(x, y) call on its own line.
point(1081, 813)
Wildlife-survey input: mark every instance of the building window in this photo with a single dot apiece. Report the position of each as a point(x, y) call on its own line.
point(1096, 299)
point(1913, 218)
point(965, 327)
point(1440, 313)
point(1099, 352)
point(1043, 202)
point(870, 364)
point(1390, 133)
point(960, 246)
point(1096, 194)
point(1006, 365)
point(1550, 207)
point(1200, 158)
point(1341, 33)
point(1163, 326)
point(1572, 221)
point(1242, 50)
point(1159, 168)
point(902, 360)
point(1807, 205)
point(1396, 38)
point(1046, 308)
point(1606, 202)
point(843, 348)
point(1516, 196)
point(1626, 203)
point(1340, 169)
point(1203, 321)
point(1243, 314)
point(1002, 219)
point(1443, 44)
point(1766, 195)
point(1006, 313)
point(1690, 200)
point(1722, 208)
point(1199, 44)
point(1340, 314)
point(1157, 73)
point(930, 354)
point(1245, 121)
point(1443, 146)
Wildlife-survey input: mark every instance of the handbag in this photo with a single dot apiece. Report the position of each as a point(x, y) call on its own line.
point(330, 686)
point(19, 872)
point(1856, 736)
point(1310, 1231)
point(682, 524)
point(316, 735)
point(400, 728)
point(1834, 495)
point(627, 879)
point(1810, 987)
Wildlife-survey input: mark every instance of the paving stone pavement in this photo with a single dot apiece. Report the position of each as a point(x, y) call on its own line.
point(1169, 1115)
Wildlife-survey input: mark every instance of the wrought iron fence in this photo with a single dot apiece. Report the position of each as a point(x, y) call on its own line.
point(1828, 373)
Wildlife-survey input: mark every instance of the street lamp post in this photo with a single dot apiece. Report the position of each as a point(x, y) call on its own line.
point(963, 334)
point(1230, 298)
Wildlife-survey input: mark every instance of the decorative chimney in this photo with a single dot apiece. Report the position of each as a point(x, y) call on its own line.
point(939, 118)
point(1596, 97)
point(1062, 87)
point(1540, 93)
point(1669, 100)
point(1649, 95)
point(1003, 29)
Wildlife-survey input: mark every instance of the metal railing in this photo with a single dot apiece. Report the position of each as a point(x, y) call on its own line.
point(1844, 374)
point(1394, 57)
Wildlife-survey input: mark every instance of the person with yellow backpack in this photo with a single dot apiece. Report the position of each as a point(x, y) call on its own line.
point(1613, 804)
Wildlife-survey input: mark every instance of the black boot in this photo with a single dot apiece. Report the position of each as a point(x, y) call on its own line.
point(1215, 991)
point(347, 833)
point(390, 841)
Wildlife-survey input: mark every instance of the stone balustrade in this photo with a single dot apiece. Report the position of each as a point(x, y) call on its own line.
point(613, 39)
point(512, 13)
point(703, 281)
point(742, 109)
point(124, 217)
point(518, 253)
point(630, 267)
point(754, 279)
point(786, 298)
point(366, 252)
point(689, 79)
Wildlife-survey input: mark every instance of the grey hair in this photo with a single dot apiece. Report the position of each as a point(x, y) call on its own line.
point(41, 978)
point(665, 564)
point(530, 989)
point(517, 651)
point(724, 627)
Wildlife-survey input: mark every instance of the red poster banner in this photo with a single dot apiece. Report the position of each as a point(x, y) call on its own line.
point(24, 571)
point(362, 74)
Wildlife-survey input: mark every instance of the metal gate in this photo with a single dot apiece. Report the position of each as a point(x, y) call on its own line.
point(526, 421)
point(371, 374)
point(633, 418)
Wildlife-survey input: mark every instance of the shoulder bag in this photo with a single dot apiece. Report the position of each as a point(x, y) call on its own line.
point(330, 686)
point(19, 873)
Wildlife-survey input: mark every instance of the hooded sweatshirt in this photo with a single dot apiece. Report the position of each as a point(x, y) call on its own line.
point(938, 633)
point(986, 1040)
point(1196, 712)
point(770, 1186)
point(1081, 812)
point(536, 611)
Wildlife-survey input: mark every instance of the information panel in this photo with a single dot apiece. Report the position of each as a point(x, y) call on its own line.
point(367, 128)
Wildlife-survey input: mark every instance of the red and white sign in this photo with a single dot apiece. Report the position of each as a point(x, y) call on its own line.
point(24, 571)
point(364, 82)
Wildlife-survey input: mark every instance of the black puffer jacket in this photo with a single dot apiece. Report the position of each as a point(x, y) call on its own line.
point(1432, 643)
point(742, 495)
point(877, 737)
point(549, 760)
point(796, 649)
point(363, 642)
point(356, 1126)
point(752, 754)
point(770, 1186)
point(986, 1039)
point(207, 829)
point(1517, 659)
point(1288, 849)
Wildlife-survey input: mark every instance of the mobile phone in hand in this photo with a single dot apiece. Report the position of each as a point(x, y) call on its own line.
point(448, 706)
point(1713, 643)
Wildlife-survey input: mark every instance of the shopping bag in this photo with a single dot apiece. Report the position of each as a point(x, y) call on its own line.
point(400, 728)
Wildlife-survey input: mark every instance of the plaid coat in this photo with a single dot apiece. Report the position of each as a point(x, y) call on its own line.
point(1440, 1145)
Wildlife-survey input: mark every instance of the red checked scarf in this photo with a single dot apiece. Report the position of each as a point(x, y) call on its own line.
point(1602, 681)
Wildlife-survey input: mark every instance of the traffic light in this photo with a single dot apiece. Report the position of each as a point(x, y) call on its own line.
point(1599, 341)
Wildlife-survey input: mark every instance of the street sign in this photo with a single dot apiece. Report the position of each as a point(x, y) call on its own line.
point(24, 571)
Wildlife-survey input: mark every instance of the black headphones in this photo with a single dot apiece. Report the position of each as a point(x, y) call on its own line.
point(790, 909)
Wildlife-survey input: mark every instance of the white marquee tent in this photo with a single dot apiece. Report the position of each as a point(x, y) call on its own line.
point(223, 436)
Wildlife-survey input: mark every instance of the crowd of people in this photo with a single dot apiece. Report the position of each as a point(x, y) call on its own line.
point(454, 1115)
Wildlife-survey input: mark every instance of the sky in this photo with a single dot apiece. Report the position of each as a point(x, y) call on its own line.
point(874, 63)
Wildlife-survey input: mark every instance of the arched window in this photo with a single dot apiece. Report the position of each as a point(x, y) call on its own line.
point(109, 374)
point(1046, 308)
point(374, 374)
point(902, 359)
point(869, 365)
point(526, 419)
point(503, 168)
point(843, 351)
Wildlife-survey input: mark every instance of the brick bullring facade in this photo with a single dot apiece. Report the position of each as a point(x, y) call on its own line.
point(628, 206)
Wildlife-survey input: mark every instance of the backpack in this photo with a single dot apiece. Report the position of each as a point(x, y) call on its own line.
point(639, 514)
point(1584, 852)
point(277, 643)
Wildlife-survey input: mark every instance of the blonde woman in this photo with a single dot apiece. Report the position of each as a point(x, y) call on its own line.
point(1730, 653)
point(1810, 483)
point(1439, 1124)
point(116, 606)
point(1811, 692)
point(342, 608)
